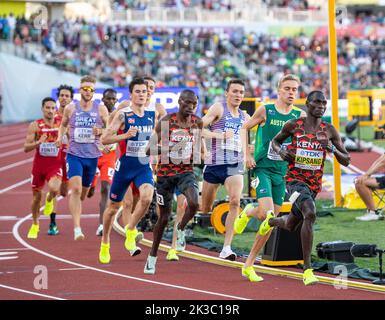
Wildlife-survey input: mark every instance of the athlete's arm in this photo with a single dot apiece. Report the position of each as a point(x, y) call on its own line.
point(258, 118)
point(68, 110)
point(213, 114)
point(249, 160)
point(110, 134)
point(160, 111)
point(122, 105)
point(103, 112)
point(30, 141)
point(153, 148)
point(286, 132)
point(338, 150)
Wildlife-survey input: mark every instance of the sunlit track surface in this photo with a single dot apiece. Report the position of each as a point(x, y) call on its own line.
point(72, 269)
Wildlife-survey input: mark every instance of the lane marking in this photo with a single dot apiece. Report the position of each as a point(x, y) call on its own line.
point(18, 184)
point(10, 153)
point(14, 249)
point(8, 218)
point(30, 292)
point(16, 164)
point(8, 258)
point(6, 253)
point(25, 244)
point(8, 144)
point(72, 269)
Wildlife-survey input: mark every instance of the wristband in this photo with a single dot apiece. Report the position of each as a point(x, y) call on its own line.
point(333, 148)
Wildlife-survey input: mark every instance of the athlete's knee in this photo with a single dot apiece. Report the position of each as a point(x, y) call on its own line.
point(37, 196)
point(234, 201)
point(146, 199)
point(76, 191)
point(112, 209)
point(309, 215)
point(105, 188)
point(193, 205)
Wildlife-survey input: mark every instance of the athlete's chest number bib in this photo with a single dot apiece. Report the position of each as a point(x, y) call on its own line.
point(48, 149)
point(84, 135)
point(272, 155)
point(232, 144)
point(308, 159)
point(181, 150)
point(136, 148)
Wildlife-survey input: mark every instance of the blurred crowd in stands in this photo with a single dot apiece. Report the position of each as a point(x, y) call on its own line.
point(201, 57)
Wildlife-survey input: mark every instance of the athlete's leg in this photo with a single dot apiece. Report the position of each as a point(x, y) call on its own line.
point(164, 213)
point(108, 215)
point(53, 188)
point(104, 191)
point(191, 194)
point(180, 210)
point(234, 188)
point(146, 192)
point(127, 206)
point(209, 193)
point(75, 204)
point(308, 210)
point(35, 206)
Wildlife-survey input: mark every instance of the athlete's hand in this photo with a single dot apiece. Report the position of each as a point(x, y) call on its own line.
point(361, 179)
point(107, 149)
point(131, 132)
point(227, 134)
point(97, 131)
point(42, 139)
point(250, 162)
point(287, 155)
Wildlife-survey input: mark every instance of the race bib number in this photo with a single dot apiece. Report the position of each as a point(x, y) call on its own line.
point(84, 135)
point(308, 159)
point(48, 149)
point(272, 155)
point(181, 152)
point(232, 144)
point(136, 148)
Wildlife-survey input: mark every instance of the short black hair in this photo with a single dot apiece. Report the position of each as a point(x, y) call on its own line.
point(235, 81)
point(188, 92)
point(46, 99)
point(313, 93)
point(65, 87)
point(135, 82)
point(108, 90)
point(149, 78)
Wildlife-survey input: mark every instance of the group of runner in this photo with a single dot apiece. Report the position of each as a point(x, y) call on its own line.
point(157, 154)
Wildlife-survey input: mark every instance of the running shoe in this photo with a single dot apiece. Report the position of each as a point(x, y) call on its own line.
point(265, 228)
point(227, 254)
point(104, 253)
point(99, 230)
point(371, 216)
point(135, 252)
point(33, 231)
point(250, 274)
point(309, 278)
point(172, 256)
point(149, 267)
point(242, 220)
point(130, 243)
point(53, 230)
point(78, 234)
point(180, 240)
point(48, 207)
point(91, 192)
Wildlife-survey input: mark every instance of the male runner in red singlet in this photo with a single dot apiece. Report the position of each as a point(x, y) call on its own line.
point(311, 139)
point(42, 135)
point(177, 141)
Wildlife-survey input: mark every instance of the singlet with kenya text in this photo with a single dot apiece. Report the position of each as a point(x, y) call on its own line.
point(309, 156)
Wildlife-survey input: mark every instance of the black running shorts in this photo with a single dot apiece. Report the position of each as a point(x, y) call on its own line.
point(305, 194)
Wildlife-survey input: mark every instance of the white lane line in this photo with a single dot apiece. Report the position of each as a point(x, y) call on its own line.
point(12, 143)
point(72, 269)
point(18, 184)
point(14, 136)
point(27, 245)
point(16, 164)
point(8, 258)
point(5, 232)
point(8, 218)
point(31, 292)
point(10, 153)
point(7, 253)
point(14, 249)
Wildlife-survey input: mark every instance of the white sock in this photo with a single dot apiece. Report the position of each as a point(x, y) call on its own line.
point(226, 248)
point(77, 230)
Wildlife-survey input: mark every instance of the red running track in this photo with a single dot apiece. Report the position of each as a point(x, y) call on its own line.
point(74, 271)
